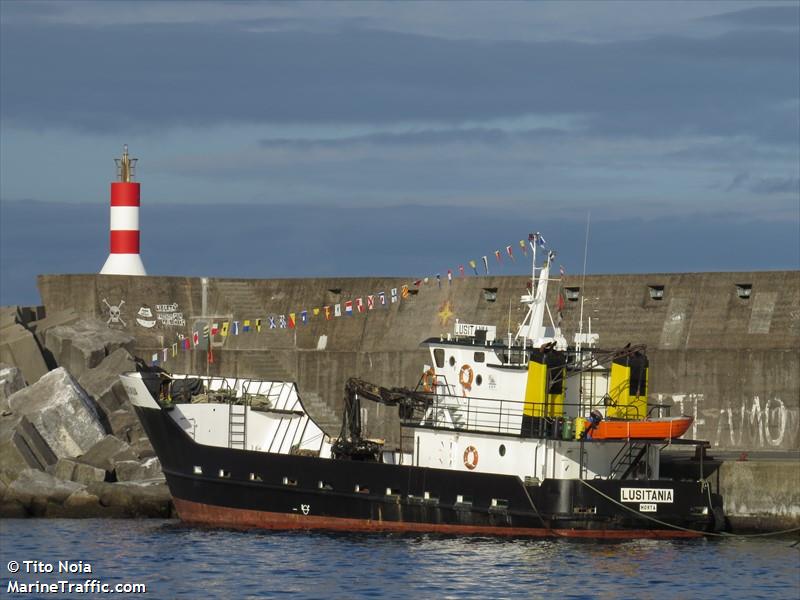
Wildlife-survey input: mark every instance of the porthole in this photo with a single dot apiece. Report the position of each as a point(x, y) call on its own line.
point(452, 361)
point(502, 450)
point(478, 380)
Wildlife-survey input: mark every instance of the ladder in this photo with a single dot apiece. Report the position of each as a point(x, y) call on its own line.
point(237, 425)
point(627, 459)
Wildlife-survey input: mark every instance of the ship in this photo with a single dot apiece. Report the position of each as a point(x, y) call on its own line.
point(520, 434)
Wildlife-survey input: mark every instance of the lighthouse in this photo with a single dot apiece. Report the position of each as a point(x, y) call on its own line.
point(124, 258)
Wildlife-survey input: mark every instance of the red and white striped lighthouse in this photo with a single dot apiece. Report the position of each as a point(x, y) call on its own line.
point(124, 258)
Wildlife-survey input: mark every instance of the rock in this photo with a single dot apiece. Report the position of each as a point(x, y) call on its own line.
point(83, 504)
point(125, 425)
point(11, 381)
point(103, 383)
point(18, 347)
point(84, 344)
point(61, 412)
point(133, 499)
point(61, 317)
point(21, 446)
point(131, 470)
point(106, 453)
point(9, 315)
point(12, 509)
point(37, 487)
point(71, 470)
point(142, 448)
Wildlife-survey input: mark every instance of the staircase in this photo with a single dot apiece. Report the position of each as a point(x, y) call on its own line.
point(265, 366)
point(322, 414)
point(627, 459)
point(241, 298)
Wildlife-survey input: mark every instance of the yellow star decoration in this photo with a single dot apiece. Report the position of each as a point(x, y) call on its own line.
point(445, 312)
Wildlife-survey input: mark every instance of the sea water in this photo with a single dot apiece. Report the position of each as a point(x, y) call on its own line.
point(175, 561)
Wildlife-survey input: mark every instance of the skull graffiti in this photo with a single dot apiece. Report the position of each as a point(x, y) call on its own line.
point(114, 315)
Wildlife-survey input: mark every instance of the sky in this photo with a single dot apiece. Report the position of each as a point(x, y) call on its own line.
point(298, 139)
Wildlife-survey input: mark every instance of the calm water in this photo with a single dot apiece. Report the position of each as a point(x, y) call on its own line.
point(179, 562)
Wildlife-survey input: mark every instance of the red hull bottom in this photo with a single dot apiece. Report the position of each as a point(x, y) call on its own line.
point(239, 518)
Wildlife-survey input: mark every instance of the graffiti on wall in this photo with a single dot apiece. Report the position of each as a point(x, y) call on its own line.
point(752, 423)
point(166, 315)
point(114, 312)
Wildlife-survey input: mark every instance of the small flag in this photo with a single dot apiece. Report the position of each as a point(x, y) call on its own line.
point(292, 321)
point(258, 325)
point(524, 247)
point(562, 270)
point(560, 302)
point(449, 277)
point(174, 349)
point(394, 295)
point(461, 270)
point(486, 264)
point(337, 310)
point(498, 256)
point(246, 325)
point(272, 323)
point(348, 308)
point(360, 304)
point(224, 331)
point(404, 291)
point(540, 240)
point(316, 311)
point(327, 310)
point(154, 359)
point(417, 283)
point(510, 252)
point(304, 317)
point(236, 328)
point(186, 342)
point(282, 321)
point(439, 280)
point(474, 266)
point(215, 329)
point(206, 332)
point(425, 280)
point(370, 302)
point(382, 298)
point(196, 338)
point(164, 353)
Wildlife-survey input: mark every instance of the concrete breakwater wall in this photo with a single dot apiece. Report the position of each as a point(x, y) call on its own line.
point(724, 347)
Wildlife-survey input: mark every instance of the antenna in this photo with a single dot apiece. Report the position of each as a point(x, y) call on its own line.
point(583, 278)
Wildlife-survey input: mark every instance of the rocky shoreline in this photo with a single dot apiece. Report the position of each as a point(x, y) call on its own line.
point(70, 442)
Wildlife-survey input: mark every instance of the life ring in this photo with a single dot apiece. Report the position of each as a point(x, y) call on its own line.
point(428, 379)
point(465, 377)
point(471, 457)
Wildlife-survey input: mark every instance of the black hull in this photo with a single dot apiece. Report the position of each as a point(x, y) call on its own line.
point(239, 488)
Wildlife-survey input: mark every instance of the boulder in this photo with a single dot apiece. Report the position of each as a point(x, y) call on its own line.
point(61, 412)
point(106, 453)
point(125, 425)
point(19, 348)
point(103, 383)
point(133, 499)
point(21, 446)
point(81, 504)
point(67, 469)
point(131, 470)
point(61, 317)
point(11, 381)
point(37, 487)
point(84, 344)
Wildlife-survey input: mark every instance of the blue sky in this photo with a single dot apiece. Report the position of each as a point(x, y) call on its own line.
point(335, 139)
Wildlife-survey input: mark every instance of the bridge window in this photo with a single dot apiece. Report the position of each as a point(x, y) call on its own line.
point(438, 356)
point(479, 357)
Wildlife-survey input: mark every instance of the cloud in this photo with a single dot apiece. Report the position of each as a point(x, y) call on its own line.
point(760, 16)
point(118, 78)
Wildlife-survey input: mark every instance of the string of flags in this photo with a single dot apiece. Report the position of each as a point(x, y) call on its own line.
point(348, 308)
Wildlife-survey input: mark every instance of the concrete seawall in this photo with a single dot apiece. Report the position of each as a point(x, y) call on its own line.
point(724, 347)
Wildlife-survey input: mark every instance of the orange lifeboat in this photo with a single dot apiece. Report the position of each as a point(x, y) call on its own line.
point(649, 429)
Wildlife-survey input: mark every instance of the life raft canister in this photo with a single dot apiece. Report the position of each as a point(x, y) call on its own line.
point(465, 377)
point(471, 457)
point(428, 379)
